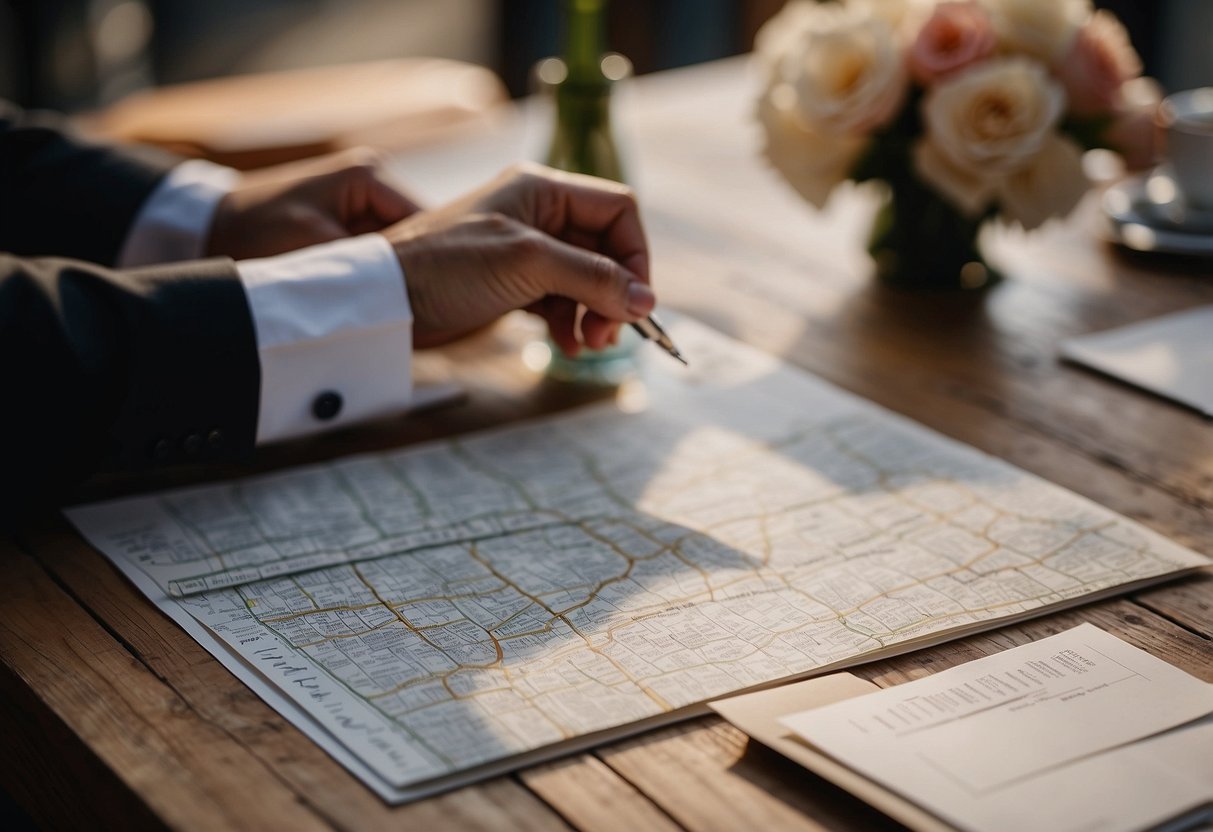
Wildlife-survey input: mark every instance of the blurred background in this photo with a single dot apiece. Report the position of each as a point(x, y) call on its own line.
point(82, 54)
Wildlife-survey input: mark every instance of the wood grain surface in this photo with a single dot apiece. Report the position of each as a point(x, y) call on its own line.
point(118, 719)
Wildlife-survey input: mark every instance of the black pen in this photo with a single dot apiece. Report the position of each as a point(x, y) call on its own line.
point(651, 329)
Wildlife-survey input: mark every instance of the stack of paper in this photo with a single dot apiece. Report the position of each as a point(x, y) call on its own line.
point(1080, 731)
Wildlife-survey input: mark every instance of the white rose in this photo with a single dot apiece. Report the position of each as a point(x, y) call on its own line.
point(847, 71)
point(834, 74)
point(990, 135)
point(1051, 184)
point(780, 34)
point(1042, 29)
point(812, 162)
point(969, 192)
point(993, 118)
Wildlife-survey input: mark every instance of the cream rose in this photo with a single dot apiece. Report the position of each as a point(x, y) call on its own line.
point(985, 126)
point(970, 192)
point(846, 70)
point(813, 163)
point(1040, 28)
point(835, 74)
point(1099, 61)
point(993, 118)
point(781, 33)
point(1051, 184)
point(902, 16)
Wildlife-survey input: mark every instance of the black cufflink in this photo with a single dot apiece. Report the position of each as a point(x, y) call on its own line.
point(327, 405)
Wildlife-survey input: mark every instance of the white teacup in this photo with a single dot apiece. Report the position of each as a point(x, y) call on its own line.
point(1187, 119)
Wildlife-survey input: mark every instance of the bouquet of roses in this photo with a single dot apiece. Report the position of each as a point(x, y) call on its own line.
point(989, 104)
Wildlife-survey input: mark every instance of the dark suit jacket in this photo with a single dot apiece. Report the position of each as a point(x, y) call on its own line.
point(103, 367)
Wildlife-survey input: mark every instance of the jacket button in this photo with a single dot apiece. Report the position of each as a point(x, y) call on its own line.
point(214, 439)
point(327, 405)
point(161, 450)
point(192, 444)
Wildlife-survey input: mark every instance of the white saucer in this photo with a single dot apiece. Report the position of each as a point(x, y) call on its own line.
point(1145, 213)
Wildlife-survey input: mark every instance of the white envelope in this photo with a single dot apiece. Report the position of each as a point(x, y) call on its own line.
point(1171, 356)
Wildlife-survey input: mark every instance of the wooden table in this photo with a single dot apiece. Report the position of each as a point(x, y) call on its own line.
point(112, 715)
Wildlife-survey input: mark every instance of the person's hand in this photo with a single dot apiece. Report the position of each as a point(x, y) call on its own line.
point(533, 239)
point(300, 204)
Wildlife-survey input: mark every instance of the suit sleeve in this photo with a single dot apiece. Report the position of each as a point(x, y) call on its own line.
point(136, 368)
point(63, 196)
point(105, 368)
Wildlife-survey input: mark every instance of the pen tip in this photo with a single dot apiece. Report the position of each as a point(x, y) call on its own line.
point(678, 355)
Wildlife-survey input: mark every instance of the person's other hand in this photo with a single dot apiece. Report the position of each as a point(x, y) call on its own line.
point(299, 204)
point(533, 239)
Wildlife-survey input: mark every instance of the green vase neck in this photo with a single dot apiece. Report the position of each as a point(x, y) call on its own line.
point(582, 141)
point(584, 41)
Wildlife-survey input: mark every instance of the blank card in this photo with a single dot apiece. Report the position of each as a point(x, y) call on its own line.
point(1171, 356)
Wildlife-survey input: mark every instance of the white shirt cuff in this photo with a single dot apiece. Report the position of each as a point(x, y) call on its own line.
point(174, 222)
point(334, 332)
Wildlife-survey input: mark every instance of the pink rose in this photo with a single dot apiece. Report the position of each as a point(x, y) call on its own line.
point(955, 36)
point(1134, 131)
point(1099, 61)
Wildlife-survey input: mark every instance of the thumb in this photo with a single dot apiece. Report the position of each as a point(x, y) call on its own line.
point(361, 194)
point(597, 281)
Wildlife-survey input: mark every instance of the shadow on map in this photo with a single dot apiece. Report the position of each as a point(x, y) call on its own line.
point(600, 569)
point(702, 546)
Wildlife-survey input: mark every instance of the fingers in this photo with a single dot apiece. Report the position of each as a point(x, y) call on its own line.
point(598, 332)
point(549, 247)
point(561, 315)
point(301, 204)
point(609, 211)
point(604, 286)
point(388, 202)
point(587, 213)
point(583, 210)
point(364, 196)
point(311, 229)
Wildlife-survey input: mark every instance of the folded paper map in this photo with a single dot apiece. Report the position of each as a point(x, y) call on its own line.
point(452, 610)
